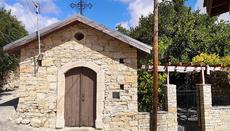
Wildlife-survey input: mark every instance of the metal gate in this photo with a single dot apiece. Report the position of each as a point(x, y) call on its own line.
point(187, 105)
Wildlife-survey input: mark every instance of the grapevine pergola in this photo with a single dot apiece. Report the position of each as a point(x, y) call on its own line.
point(186, 68)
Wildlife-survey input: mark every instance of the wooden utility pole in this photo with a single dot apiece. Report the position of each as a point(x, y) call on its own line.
point(155, 60)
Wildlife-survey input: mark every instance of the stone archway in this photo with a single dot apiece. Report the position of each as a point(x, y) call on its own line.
point(60, 121)
point(80, 97)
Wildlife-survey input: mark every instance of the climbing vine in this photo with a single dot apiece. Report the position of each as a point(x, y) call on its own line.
point(211, 59)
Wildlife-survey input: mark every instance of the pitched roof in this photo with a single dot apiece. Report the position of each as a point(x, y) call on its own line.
point(77, 18)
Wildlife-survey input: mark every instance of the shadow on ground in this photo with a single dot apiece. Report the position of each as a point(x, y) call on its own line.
point(13, 103)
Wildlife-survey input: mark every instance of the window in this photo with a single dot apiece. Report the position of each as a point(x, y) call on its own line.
point(122, 86)
point(79, 36)
point(116, 95)
point(121, 61)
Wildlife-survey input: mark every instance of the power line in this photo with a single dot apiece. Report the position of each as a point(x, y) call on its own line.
point(36, 6)
point(28, 3)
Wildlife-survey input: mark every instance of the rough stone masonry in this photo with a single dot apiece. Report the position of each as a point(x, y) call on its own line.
point(42, 88)
point(38, 84)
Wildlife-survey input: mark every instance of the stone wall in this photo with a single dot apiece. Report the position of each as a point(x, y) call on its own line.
point(38, 84)
point(140, 121)
point(167, 120)
point(213, 118)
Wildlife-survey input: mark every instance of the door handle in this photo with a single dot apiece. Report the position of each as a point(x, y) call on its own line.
point(82, 97)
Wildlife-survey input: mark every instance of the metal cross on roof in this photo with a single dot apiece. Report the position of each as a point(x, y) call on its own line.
point(81, 5)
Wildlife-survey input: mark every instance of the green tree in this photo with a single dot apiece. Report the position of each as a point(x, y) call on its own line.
point(183, 34)
point(10, 30)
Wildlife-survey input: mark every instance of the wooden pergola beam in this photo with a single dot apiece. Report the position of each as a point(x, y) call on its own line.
point(185, 69)
point(217, 7)
point(219, 10)
point(218, 3)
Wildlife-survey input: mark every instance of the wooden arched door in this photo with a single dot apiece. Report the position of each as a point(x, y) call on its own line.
point(80, 97)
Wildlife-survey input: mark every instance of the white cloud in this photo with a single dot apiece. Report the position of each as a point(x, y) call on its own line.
point(136, 8)
point(199, 6)
point(2, 3)
point(48, 6)
point(225, 17)
point(124, 24)
point(28, 17)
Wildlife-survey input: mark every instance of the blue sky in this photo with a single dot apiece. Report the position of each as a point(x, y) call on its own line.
point(191, 3)
point(106, 12)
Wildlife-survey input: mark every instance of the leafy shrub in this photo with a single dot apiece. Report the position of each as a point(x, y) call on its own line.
point(211, 59)
point(145, 90)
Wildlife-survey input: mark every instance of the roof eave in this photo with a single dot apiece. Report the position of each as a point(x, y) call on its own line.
point(32, 37)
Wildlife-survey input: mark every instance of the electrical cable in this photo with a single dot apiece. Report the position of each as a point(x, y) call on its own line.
point(28, 4)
